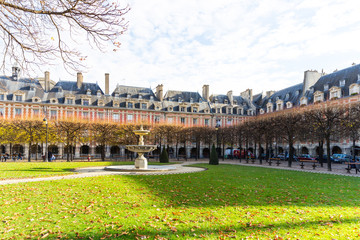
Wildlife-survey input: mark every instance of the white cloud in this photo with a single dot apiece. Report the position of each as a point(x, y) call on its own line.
point(230, 45)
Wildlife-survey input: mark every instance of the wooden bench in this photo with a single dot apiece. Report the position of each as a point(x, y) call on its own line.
point(274, 159)
point(311, 161)
point(348, 168)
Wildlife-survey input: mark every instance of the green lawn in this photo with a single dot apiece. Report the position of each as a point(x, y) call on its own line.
point(43, 169)
point(224, 202)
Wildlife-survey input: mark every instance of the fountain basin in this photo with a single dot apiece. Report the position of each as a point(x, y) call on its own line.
point(141, 148)
point(129, 168)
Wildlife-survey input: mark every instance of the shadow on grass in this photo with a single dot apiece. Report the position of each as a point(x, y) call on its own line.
point(242, 229)
point(231, 185)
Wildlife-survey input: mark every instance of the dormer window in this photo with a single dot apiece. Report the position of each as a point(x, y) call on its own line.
point(101, 103)
point(140, 96)
point(18, 98)
point(88, 92)
point(98, 93)
point(303, 101)
point(289, 105)
point(335, 93)
point(326, 87)
point(53, 100)
point(170, 108)
point(279, 105)
point(250, 112)
point(2, 96)
point(85, 102)
point(116, 94)
point(354, 89)
point(287, 97)
point(277, 98)
point(191, 100)
point(342, 83)
point(151, 98)
point(115, 104)
point(318, 96)
point(226, 101)
point(195, 109)
point(235, 102)
point(297, 92)
point(311, 90)
point(128, 95)
point(35, 99)
point(262, 111)
point(200, 100)
point(269, 107)
point(179, 99)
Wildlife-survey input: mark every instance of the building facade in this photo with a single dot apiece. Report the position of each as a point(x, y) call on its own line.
point(42, 97)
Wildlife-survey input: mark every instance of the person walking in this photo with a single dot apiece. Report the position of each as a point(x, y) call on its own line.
point(19, 156)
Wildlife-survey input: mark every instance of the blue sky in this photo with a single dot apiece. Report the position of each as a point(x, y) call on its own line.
point(228, 44)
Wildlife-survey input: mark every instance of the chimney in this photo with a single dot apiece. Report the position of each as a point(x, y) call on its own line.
point(205, 93)
point(230, 96)
point(310, 78)
point(159, 92)
point(47, 81)
point(106, 84)
point(15, 73)
point(269, 93)
point(247, 94)
point(79, 80)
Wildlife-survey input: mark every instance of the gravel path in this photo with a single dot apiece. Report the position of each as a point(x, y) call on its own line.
point(337, 169)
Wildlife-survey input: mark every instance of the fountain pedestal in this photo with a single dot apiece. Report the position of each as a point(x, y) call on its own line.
point(141, 163)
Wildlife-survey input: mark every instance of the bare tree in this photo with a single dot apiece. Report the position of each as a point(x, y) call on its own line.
point(326, 121)
point(37, 32)
point(103, 133)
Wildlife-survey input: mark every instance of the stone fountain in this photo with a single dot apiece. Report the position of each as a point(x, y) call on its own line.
point(141, 163)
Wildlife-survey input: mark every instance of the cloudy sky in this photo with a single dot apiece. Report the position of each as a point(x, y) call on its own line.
point(228, 44)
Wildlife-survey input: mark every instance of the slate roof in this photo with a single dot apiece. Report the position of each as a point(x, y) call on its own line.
point(173, 95)
point(350, 75)
point(291, 94)
point(134, 92)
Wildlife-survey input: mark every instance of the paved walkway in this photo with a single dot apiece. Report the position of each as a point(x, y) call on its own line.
point(337, 169)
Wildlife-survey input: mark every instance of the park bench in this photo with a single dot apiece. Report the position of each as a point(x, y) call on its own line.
point(349, 167)
point(274, 159)
point(311, 161)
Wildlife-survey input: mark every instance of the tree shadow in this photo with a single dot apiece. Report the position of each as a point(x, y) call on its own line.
point(233, 185)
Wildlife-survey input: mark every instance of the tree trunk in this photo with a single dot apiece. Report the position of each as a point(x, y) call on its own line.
point(29, 152)
point(353, 153)
point(328, 153)
point(291, 151)
point(103, 152)
point(321, 152)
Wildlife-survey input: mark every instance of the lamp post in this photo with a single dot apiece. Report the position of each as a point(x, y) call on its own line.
point(46, 143)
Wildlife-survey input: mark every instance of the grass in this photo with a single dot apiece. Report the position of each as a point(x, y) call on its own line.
point(224, 202)
point(11, 170)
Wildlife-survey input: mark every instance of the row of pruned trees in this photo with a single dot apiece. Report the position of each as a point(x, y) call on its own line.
point(321, 123)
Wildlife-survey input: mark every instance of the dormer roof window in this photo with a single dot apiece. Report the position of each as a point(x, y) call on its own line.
point(326, 87)
point(235, 102)
point(98, 93)
point(179, 99)
point(289, 105)
point(151, 98)
point(128, 95)
point(191, 100)
point(342, 83)
point(140, 96)
point(88, 92)
point(116, 94)
point(287, 96)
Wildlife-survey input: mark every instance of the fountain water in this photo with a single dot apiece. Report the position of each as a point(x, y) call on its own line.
point(141, 163)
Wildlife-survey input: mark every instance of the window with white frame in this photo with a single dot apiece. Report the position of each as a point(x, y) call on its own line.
point(206, 122)
point(18, 112)
point(342, 83)
point(170, 120)
point(70, 101)
point(156, 119)
point(288, 105)
point(85, 102)
point(129, 117)
point(143, 106)
point(182, 109)
point(303, 101)
point(229, 111)
point(218, 110)
point(2, 97)
point(250, 112)
point(85, 115)
point(182, 120)
point(36, 112)
point(195, 109)
point(116, 117)
point(354, 89)
point(262, 111)
point(101, 115)
point(335, 92)
point(130, 105)
point(18, 98)
point(326, 87)
point(269, 107)
point(240, 111)
point(195, 121)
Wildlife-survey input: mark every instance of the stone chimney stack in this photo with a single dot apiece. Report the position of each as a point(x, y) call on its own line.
point(230, 96)
point(160, 92)
point(15, 73)
point(106, 84)
point(247, 94)
point(269, 93)
point(47, 81)
point(205, 93)
point(310, 78)
point(79, 80)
